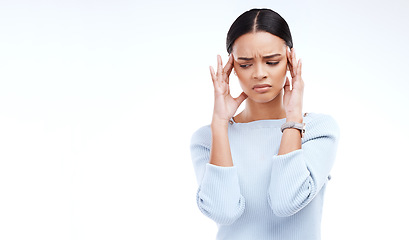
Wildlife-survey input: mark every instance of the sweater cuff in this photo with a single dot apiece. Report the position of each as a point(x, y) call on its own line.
point(219, 194)
point(291, 184)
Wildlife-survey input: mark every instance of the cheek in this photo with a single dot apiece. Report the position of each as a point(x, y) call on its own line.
point(243, 83)
point(243, 78)
point(280, 72)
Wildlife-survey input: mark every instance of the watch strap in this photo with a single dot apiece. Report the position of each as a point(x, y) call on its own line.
point(296, 125)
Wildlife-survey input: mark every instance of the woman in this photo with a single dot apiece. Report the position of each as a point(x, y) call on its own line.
point(262, 173)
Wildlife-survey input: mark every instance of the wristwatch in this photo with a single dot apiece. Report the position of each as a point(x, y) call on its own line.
point(296, 125)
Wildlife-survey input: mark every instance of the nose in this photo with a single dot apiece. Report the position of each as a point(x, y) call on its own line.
point(259, 72)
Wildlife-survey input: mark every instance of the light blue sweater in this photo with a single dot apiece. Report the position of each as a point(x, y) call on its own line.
point(266, 196)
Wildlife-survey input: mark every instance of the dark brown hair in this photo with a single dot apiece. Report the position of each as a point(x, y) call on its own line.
point(256, 20)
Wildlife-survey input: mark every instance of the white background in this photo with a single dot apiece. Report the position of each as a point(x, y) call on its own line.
point(99, 99)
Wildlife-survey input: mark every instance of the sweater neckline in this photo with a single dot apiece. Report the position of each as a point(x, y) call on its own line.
point(262, 123)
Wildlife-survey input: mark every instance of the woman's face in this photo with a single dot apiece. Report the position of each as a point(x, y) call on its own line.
point(260, 62)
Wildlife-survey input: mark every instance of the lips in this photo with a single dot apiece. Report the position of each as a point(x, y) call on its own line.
point(262, 88)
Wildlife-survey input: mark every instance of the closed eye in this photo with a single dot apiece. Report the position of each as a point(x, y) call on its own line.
point(248, 65)
point(245, 65)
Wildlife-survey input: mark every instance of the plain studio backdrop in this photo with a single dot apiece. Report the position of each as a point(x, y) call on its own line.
point(99, 99)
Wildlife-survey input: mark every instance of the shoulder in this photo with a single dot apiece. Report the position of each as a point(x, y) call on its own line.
point(202, 136)
point(321, 124)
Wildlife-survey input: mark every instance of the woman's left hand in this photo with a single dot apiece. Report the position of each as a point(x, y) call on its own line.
point(293, 98)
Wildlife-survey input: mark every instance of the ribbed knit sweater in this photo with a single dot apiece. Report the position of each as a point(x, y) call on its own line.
point(265, 195)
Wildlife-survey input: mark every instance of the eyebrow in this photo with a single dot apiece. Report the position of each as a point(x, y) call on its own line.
point(268, 56)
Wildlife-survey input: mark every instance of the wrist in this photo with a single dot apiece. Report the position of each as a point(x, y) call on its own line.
point(297, 119)
point(294, 115)
point(218, 123)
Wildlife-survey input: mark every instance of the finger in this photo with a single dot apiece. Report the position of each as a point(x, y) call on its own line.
point(212, 74)
point(299, 67)
point(214, 78)
point(219, 66)
point(290, 63)
point(298, 72)
point(227, 69)
point(229, 65)
point(294, 64)
point(232, 67)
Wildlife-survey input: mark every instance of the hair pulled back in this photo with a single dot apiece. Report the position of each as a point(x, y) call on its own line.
point(256, 20)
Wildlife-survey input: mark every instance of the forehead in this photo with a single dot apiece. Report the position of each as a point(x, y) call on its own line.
point(258, 44)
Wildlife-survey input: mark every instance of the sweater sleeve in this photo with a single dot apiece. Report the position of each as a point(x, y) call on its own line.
point(218, 195)
point(297, 176)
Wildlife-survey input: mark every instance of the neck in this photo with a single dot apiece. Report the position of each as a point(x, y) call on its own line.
point(260, 111)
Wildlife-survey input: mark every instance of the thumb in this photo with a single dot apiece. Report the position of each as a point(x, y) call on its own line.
point(241, 98)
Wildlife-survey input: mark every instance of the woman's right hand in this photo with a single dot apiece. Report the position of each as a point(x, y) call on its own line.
point(224, 104)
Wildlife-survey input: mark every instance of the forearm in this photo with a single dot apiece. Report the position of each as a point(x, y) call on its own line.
point(291, 139)
point(220, 153)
